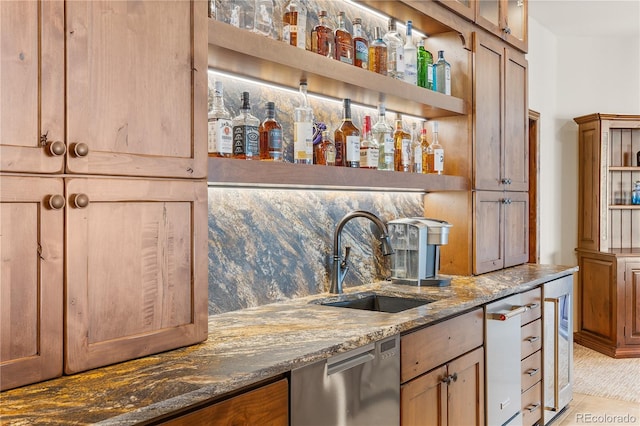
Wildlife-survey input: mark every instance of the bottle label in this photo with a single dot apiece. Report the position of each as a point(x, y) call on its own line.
point(220, 136)
point(303, 141)
point(275, 144)
point(369, 158)
point(353, 149)
point(246, 141)
point(417, 159)
point(438, 160)
point(362, 54)
point(406, 152)
point(389, 148)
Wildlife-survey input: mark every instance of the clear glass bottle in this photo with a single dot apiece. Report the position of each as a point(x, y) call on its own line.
point(424, 149)
point(378, 53)
point(263, 19)
point(270, 131)
point(416, 149)
point(435, 153)
point(360, 46)
point(395, 51)
point(324, 153)
point(425, 66)
point(369, 151)
point(383, 134)
point(322, 37)
point(402, 147)
point(220, 125)
point(241, 13)
point(635, 194)
point(442, 75)
point(246, 138)
point(303, 129)
point(347, 139)
point(410, 57)
point(343, 41)
point(294, 23)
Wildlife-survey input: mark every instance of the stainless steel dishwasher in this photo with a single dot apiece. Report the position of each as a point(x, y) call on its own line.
point(359, 387)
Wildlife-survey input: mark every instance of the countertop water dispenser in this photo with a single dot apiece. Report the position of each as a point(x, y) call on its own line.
point(416, 243)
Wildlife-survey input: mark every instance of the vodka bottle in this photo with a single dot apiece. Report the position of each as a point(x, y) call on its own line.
point(246, 138)
point(360, 46)
point(343, 41)
point(322, 37)
point(383, 134)
point(378, 53)
point(442, 75)
point(294, 24)
point(395, 51)
point(416, 149)
point(435, 153)
point(270, 132)
point(410, 57)
point(425, 67)
point(369, 151)
point(347, 139)
point(303, 129)
point(220, 126)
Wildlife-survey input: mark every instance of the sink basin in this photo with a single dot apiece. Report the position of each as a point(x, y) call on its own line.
point(377, 302)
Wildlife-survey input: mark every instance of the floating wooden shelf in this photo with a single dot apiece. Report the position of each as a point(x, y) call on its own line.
point(231, 172)
point(624, 207)
point(624, 169)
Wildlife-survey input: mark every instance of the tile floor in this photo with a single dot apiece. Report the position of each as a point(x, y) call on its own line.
point(594, 410)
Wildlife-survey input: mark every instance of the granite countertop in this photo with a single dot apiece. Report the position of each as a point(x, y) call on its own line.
point(247, 346)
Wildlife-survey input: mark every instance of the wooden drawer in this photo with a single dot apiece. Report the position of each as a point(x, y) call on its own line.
point(425, 349)
point(531, 298)
point(531, 370)
point(531, 338)
point(532, 405)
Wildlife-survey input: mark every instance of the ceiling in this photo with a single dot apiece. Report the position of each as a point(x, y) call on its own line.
point(600, 18)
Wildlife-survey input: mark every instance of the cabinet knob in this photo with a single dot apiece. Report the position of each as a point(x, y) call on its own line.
point(80, 201)
point(56, 148)
point(80, 149)
point(506, 201)
point(505, 181)
point(56, 202)
point(507, 30)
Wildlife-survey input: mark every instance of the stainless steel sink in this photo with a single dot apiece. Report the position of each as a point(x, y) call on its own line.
point(375, 302)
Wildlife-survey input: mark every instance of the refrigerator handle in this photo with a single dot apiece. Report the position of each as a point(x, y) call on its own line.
point(556, 335)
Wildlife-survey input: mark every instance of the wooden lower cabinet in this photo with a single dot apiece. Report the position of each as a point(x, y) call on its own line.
point(452, 391)
point(267, 405)
point(608, 302)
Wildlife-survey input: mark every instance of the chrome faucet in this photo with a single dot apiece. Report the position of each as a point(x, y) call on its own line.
point(340, 266)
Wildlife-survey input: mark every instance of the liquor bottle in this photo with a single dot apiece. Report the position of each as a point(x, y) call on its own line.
point(241, 13)
point(360, 46)
point(424, 146)
point(324, 153)
point(322, 37)
point(303, 129)
point(263, 20)
point(410, 57)
point(402, 148)
point(442, 75)
point(395, 51)
point(416, 149)
point(347, 139)
point(343, 41)
point(435, 153)
point(220, 126)
point(246, 144)
point(378, 53)
point(425, 66)
point(294, 23)
point(270, 132)
point(369, 151)
point(383, 134)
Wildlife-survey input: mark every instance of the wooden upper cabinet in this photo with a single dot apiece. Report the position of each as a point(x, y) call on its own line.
point(137, 88)
point(505, 18)
point(136, 270)
point(32, 87)
point(516, 123)
point(31, 243)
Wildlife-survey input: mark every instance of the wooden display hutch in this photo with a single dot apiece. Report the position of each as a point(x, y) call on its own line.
point(608, 235)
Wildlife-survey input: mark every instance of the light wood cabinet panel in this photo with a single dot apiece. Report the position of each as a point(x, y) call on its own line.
point(589, 186)
point(31, 274)
point(32, 86)
point(532, 405)
point(466, 391)
point(424, 399)
point(137, 91)
point(531, 338)
point(516, 123)
point(632, 302)
point(516, 228)
point(136, 269)
point(505, 18)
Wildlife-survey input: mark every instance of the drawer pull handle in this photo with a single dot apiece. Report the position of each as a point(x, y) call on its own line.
point(533, 339)
point(501, 316)
point(450, 378)
point(533, 407)
point(534, 305)
point(533, 371)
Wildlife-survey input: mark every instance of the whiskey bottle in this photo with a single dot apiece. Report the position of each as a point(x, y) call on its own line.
point(383, 134)
point(322, 37)
point(442, 75)
point(347, 139)
point(435, 153)
point(294, 24)
point(360, 46)
point(368, 146)
point(270, 132)
point(378, 53)
point(424, 146)
point(245, 132)
point(395, 51)
point(425, 66)
point(343, 41)
point(303, 129)
point(402, 148)
point(324, 153)
point(220, 126)
point(410, 57)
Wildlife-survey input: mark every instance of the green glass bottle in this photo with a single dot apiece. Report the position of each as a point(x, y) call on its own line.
point(425, 66)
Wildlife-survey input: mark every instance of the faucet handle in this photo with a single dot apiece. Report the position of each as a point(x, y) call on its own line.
point(347, 250)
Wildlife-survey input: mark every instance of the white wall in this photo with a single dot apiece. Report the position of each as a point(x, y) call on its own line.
point(570, 77)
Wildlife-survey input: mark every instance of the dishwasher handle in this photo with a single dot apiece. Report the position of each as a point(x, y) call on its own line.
point(515, 311)
point(350, 362)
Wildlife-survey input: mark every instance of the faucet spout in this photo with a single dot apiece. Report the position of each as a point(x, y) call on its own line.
point(340, 266)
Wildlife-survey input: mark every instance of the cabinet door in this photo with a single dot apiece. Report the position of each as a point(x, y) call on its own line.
point(505, 18)
point(632, 300)
point(488, 231)
point(32, 86)
point(516, 123)
point(589, 186)
point(423, 401)
point(137, 87)
point(465, 8)
point(516, 228)
point(136, 268)
point(31, 243)
point(465, 392)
